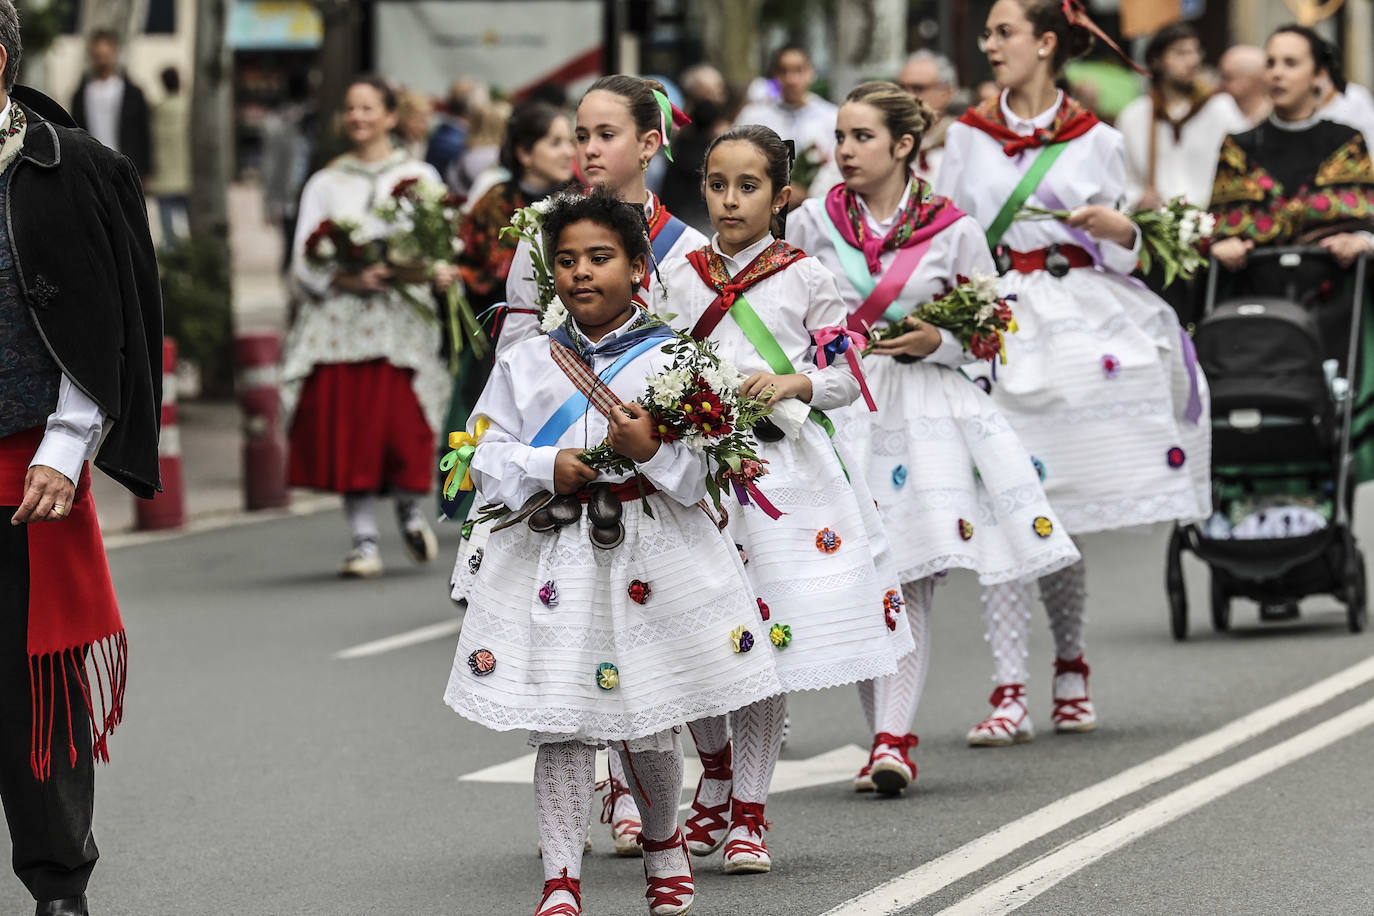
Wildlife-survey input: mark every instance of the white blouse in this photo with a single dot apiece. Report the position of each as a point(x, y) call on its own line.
point(526, 388)
point(793, 303)
point(1185, 166)
point(960, 248)
point(521, 292)
point(979, 177)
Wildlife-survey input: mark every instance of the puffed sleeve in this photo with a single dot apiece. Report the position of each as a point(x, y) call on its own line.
point(313, 210)
point(950, 180)
point(520, 294)
point(505, 469)
point(1110, 193)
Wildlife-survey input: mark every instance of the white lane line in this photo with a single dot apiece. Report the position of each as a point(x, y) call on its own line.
point(403, 640)
point(921, 882)
point(1020, 887)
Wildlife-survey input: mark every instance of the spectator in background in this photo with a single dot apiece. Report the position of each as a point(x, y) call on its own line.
point(1242, 78)
point(1174, 132)
point(711, 116)
point(111, 107)
point(1352, 105)
point(931, 78)
point(450, 138)
point(170, 182)
point(703, 83)
point(413, 122)
point(796, 114)
point(466, 176)
point(287, 147)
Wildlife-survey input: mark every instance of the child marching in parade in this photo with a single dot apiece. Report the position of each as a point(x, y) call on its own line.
point(589, 622)
point(805, 536)
point(622, 123)
point(1100, 381)
point(954, 485)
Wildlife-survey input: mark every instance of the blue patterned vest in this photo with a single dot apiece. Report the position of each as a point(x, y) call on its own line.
point(29, 379)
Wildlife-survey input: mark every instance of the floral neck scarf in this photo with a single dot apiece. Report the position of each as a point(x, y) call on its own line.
point(921, 210)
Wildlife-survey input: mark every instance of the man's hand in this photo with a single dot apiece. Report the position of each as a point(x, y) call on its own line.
point(773, 388)
point(48, 496)
point(569, 473)
point(633, 435)
point(921, 340)
point(1232, 253)
point(1345, 247)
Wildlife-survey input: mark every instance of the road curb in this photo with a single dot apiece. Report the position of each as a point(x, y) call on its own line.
point(220, 520)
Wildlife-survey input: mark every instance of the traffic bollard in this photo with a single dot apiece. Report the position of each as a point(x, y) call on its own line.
point(258, 357)
point(168, 508)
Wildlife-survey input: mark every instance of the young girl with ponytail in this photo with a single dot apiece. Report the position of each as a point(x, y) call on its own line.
point(954, 485)
point(1100, 381)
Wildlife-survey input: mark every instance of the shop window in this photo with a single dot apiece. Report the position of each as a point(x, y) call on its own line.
point(70, 13)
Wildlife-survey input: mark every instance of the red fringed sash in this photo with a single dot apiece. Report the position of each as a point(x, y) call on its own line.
point(74, 622)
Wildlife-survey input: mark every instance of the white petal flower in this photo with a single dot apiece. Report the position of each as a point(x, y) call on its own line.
point(985, 286)
point(542, 206)
point(554, 316)
point(325, 249)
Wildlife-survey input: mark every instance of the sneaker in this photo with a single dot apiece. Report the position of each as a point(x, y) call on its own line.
point(1073, 708)
point(670, 883)
point(745, 851)
point(364, 561)
point(864, 781)
point(419, 538)
point(1009, 723)
point(891, 767)
point(618, 809)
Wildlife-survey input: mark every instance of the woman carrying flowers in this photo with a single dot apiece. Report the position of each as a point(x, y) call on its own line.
point(953, 483)
point(1099, 383)
point(363, 387)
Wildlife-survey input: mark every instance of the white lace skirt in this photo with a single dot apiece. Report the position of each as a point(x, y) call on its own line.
point(555, 642)
point(1096, 387)
point(954, 486)
point(814, 570)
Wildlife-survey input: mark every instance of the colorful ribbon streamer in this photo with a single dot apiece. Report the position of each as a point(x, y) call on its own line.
point(459, 460)
point(747, 489)
point(670, 119)
point(850, 343)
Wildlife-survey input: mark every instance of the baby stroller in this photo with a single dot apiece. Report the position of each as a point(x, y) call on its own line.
point(1283, 371)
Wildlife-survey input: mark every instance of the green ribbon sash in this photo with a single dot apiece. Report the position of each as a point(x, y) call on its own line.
point(1029, 182)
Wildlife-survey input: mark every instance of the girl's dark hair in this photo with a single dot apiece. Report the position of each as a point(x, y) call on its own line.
point(777, 153)
point(1324, 56)
point(389, 97)
point(529, 122)
point(638, 94)
point(902, 112)
point(603, 208)
point(1048, 16)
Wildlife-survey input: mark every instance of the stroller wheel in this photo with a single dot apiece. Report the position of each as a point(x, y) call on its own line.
point(1355, 597)
point(1221, 605)
point(1173, 586)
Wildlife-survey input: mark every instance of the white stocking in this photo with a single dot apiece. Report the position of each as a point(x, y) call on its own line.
point(655, 779)
point(361, 511)
point(625, 806)
point(896, 696)
point(563, 777)
point(1006, 622)
point(711, 735)
point(1065, 600)
point(758, 742)
point(866, 702)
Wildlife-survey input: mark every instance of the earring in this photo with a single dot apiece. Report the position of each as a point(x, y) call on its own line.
point(644, 165)
point(636, 279)
point(777, 209)
point(1041, 52)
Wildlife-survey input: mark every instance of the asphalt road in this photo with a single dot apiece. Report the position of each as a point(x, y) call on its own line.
point(256, 773)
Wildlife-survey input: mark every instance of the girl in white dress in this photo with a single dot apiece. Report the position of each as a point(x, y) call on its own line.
point(620, 128)
point(582, 643)
point(834, 617)
point(954, 485)
point(1100, 381)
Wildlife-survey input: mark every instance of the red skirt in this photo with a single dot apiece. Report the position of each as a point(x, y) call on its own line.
point(359, 429)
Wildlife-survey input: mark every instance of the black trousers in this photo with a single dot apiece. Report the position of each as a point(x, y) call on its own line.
point(50, 821)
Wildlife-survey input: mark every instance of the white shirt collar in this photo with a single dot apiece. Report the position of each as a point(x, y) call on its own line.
point(738, 262)
point(1294, 126)
point(1041, 121)
point(610, 335)
point(5, 114)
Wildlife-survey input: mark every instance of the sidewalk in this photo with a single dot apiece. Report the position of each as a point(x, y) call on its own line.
point(211, 431)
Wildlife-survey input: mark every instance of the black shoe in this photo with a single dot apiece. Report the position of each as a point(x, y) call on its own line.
point(67, 906)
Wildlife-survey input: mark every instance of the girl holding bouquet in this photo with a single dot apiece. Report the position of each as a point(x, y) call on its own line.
point(622, 123)
point(363, 387)
point(589, 622)
point(812, 567)
point(954, 485)
point(1100, 381)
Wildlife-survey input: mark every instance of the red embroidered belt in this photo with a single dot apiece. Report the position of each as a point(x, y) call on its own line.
point(1026, 262)
point(626, 492)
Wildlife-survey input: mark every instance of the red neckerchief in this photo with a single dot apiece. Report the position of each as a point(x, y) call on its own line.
point(710, 266)
point(1070, 122)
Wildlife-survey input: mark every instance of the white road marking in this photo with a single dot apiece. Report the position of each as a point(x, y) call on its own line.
point(916, 885)
point(1023, 885)
point(403, 640)
point(838, 765)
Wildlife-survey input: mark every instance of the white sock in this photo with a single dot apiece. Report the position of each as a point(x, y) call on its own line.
point(361, 511)
point(1006, 622)
point(564, 774)
point(896, 696)
point(656, 783)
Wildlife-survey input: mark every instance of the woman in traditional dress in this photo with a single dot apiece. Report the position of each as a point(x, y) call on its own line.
point(362, 383)
point(1100, 383)
point(954, 485)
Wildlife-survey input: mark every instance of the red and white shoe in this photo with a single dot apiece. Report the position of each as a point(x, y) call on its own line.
point(562, 897)
point(1009, 723)
point(745, 851)
point(671, 885)
point(618, 809)
point(864, 781)
point(706, 826)
point(1073, 708)
point(891, 767)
